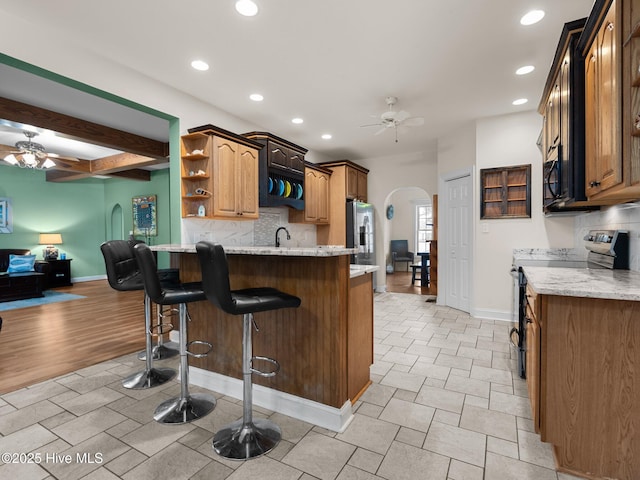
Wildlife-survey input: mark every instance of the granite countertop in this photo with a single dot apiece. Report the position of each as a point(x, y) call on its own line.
point(585, 282)
point(357, 270)
point(319, 251)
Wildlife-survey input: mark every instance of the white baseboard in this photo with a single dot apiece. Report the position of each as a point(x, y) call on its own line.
point(484, 314)
point(331, 418)
point(88, 279)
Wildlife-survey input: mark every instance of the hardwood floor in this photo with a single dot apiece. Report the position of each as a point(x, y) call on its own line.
point(400, 282)
point(38, 343)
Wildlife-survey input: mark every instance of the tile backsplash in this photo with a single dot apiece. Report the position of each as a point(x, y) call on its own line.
point(261, 232)
point(617, 217)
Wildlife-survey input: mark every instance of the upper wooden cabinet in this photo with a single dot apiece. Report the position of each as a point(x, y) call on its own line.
point(602, 103)
point(348, 182)
point(562, 137)
point(316, 204)
point(610, 46)
point(219, 175)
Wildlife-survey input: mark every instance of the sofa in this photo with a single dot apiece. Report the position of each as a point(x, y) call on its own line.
point(21, 285)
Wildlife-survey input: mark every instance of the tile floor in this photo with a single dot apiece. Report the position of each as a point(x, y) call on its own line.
point(444, 404)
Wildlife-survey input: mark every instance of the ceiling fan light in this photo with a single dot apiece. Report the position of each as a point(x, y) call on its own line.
point(48, 163)
point(11, 159)
point(29, 158)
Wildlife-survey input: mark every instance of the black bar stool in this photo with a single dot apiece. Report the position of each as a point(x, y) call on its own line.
point(246, 438)
point(124, 275)
point(187, 407)
point(162, 349)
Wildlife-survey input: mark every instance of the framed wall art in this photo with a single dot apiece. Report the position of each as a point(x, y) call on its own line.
point(144, 216)
point(6, 215)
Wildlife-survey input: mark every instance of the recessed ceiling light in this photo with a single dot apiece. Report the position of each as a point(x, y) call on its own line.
point(200, 65)
point(524, 70)
point(534, 16)
point(246, 8)
point(297, 120)
point(256, 97)
point(520, 101)
point(326, 136)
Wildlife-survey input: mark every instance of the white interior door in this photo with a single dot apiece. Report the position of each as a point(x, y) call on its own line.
point(458, 225)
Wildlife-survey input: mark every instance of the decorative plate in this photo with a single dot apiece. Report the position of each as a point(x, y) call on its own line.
point(390, 212)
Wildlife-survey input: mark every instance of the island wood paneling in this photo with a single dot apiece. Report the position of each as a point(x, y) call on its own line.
point(359, 335)
point(310, 342)
point(590, 387)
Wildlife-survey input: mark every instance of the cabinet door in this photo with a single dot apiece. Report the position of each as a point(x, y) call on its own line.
point(602, 109)
point(591, 132)
point(565, 113)
point(311, 196)
point(296, 162)
point(225, 185)
point(362, 186)
point(553, 121)
point(247, 178)
point(322, 187)
point(352, 182)
point(278, 156)
point(533, 367)
point(610, 164)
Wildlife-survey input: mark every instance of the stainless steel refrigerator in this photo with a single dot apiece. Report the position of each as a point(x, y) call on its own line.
point(361, 232)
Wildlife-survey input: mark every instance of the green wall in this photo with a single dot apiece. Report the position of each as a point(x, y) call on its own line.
point(79, 210)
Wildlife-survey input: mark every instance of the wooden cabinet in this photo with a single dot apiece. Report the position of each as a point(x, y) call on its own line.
point(283, 160)
point(341, 189)
point(533, 355)
point(356, 184)
point(219, 175)
point(506, 192)
point(603, 155)
point(359, 335)
point(582, 359)
point(316, 197)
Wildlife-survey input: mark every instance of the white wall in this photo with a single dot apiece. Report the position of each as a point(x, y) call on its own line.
point(503, 141)
point(386, 175)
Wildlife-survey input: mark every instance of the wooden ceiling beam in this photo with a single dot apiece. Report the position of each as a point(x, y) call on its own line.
point(82, 130)
point(119, 162)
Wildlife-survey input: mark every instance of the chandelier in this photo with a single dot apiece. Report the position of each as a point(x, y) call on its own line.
point(29, 154)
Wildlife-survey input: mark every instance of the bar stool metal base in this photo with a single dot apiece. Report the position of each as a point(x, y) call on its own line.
point(149, 378)
point(177, 411)
point(238, 441)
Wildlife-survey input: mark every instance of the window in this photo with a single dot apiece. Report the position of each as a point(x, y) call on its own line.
point(424, 227)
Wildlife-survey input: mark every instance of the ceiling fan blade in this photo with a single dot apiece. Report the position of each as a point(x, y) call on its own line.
point(402, 115)
point(381, 130)
point(372, 125)
point(55, 156)
point(413, 122)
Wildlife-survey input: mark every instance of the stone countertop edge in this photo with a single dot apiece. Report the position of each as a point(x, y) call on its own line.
point(358, 270)
point(249, 250)
point(585, 282)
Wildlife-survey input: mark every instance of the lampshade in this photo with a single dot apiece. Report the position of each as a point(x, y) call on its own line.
point(50, 239)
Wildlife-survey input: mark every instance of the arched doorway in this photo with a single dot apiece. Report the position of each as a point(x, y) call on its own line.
point(409, 218)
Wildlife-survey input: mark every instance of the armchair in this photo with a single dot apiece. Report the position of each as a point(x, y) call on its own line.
point(400, 253)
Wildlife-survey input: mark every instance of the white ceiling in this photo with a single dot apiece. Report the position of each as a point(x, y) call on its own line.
point(331, 62)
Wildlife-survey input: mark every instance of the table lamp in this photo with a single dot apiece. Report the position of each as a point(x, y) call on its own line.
point(50, 239)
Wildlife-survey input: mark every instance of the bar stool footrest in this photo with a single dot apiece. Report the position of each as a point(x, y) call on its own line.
point(199, 342)
point(238, 441)
point(265, 359)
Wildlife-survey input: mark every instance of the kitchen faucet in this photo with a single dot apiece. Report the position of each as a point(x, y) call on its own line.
point(278, 231)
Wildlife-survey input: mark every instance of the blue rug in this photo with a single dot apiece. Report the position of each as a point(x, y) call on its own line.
point(50, 296)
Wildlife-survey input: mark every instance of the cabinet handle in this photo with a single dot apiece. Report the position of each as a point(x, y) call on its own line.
point(595, 183)
point(610, 26)
point(528, 320)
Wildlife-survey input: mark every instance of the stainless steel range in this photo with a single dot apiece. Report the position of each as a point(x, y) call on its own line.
point(606, 249)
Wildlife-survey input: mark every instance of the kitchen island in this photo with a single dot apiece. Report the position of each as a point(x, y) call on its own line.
point(324, 347)
point(583, 367)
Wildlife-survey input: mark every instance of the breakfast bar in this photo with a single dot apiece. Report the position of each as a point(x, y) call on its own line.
point(324, 347)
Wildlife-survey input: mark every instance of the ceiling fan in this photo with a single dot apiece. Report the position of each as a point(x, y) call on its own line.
point(29, 154)
point(393, 119)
